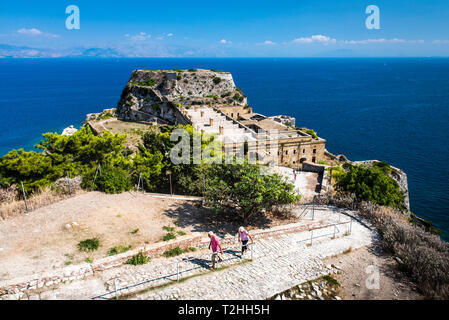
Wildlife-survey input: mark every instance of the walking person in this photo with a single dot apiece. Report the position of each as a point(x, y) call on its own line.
point(216, 248)
point(244, 236)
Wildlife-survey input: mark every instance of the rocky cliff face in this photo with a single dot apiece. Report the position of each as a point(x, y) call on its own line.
point(152, 94)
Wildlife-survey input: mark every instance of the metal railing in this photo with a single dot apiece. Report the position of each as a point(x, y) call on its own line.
point(335, 231)
point(179, 271)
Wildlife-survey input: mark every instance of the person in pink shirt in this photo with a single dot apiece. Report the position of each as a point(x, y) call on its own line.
point(244, 236)
point(216, 248)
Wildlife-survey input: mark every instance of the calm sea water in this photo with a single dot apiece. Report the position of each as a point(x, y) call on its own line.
point(396, 110)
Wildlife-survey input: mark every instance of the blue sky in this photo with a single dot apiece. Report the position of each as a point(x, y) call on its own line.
point(300, 28)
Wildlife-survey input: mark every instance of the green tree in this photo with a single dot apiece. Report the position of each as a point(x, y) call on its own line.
point(34, 169)
point(370, 184)
point(186, 178)
point(110, 179)
point(242, 187)
point(77, 154)
point(83, 149)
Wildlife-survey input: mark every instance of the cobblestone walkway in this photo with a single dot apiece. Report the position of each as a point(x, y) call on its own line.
point(278, 264)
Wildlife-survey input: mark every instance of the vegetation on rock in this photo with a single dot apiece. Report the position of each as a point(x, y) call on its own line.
point(370, 183)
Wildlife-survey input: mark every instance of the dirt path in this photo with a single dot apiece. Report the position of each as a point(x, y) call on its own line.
point(43, 240)
point(358, 279)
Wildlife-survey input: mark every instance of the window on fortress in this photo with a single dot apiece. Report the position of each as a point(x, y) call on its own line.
point(314, 150)
point(294, 151)
point(286, 152)
point(303, 151)
point(313, 159)
point(232, 115)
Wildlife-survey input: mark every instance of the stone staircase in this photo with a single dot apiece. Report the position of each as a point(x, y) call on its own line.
point(209, 121)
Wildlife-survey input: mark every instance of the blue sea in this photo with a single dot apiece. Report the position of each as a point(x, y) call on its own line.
point(391, 109)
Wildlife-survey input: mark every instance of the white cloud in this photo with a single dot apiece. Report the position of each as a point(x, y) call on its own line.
point(440, 41)
point(381, 40)
point(141, 36)
point(170, 35)
point(269, 43)
point(315, 39)
point(224, 41)
point(35, 32)
point(328, 40)
point(32, 31)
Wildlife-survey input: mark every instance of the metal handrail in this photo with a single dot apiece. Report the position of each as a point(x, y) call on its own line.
point(334, 233)
point(178, 272)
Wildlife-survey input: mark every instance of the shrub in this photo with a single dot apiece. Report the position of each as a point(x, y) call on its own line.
point(89, 244)
point(238, 97)
point(217, 80)
point(150, 82)
point(215, 97)
point(192, 70)
point(370, 184)
point(138, 259)
point(168, 228)
point(112, 180)
point(310, 132)
point(383, 166)
point(173, 252)
point(118, 249)
point(423, 255)
point(169, 236)
point(8, 194)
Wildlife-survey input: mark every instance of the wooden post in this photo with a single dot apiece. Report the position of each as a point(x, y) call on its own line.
point(96, 173)
point(313, 208)
point(24, 198)
point(68, 183)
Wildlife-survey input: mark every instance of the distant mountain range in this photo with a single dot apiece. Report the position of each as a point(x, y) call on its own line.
point(10, 51)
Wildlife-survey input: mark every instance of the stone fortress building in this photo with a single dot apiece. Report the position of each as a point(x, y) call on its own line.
point(210, 102)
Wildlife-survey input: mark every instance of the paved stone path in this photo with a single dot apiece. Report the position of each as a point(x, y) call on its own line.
point(278, 264)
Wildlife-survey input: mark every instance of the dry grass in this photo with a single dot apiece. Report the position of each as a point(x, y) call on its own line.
point(423, 255)
point(14, 206)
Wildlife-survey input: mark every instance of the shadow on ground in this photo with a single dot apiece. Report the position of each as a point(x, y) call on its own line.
point(200, 219)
